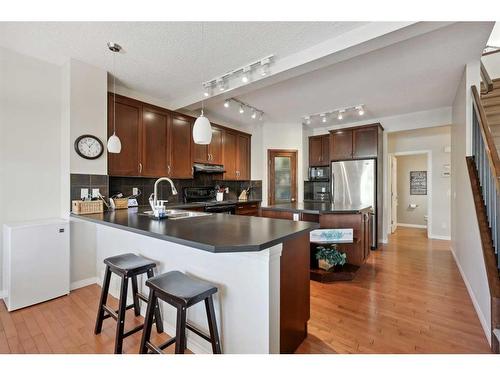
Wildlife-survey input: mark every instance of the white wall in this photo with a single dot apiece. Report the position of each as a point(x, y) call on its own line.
point(434, 140)
point(30, 138)
point(88, 113)
point(466, 241)
point(492, 64)
point(406, 214)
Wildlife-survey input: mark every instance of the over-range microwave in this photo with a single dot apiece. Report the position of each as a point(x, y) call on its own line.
point(319, 173)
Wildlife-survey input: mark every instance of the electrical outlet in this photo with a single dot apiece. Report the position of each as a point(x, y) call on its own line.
point(135, 191)
point(295, 217)
point(84, 193)
point(95, 193)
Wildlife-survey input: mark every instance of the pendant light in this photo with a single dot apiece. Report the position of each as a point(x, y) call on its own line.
point(202, 130)
point(114, 143)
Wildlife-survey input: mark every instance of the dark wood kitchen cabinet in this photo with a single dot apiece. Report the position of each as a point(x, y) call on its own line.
point(212, 153)
point(236, 155)
point(319, 150)
point(243, 156)
point(154, 160)
point(356, 143)
point(128, 121)
point(180, 147)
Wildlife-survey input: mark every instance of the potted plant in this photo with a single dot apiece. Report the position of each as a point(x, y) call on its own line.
point(328, 257)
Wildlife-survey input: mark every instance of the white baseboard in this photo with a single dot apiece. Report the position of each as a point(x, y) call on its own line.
point(81, 283)
point(3, 294)
point(480, 315)
point(412, 225)
point(438, 237)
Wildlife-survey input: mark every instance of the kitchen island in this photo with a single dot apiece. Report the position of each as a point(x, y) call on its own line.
point(332, 216)
point(260, 266)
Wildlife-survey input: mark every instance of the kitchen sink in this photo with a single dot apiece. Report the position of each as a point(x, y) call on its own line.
point(176, 214)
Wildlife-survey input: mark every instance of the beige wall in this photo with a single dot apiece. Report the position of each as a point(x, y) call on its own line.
point(434, 140)
point(407, 215)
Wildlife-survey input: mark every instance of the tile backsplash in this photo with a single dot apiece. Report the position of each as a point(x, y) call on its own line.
point(108, 186)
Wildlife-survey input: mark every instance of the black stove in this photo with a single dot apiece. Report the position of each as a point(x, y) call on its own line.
point(206, 196)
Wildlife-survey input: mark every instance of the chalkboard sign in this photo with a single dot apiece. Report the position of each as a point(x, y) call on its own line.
point(418, 183)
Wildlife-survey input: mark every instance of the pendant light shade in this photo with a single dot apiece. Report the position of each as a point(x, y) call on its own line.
point(202, 131)
point(114, 144)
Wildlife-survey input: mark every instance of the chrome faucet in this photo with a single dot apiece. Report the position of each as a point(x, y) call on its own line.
point(153, 199)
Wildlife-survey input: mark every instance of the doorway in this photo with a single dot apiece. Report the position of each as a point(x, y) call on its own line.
point(282, 176)
point(410, 190)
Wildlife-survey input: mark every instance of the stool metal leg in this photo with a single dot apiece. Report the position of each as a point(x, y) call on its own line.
point(212, 325)
point(102, 301)
point(122, 309)
point(135, 290)
point(158, 321)
point(180, 331)
point(148, 322)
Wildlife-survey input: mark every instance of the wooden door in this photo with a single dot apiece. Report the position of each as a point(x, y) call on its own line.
point(229, 152)
point(215, 147)
point(154, 157)
point(282, 175)
point(325, 149)
point(315, 151)
point(243, 157)
point(128, 123)
point(180, 163)
point(365, 142)
point(341, 145)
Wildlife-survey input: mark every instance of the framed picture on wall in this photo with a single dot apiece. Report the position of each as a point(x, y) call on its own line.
point(418, 182)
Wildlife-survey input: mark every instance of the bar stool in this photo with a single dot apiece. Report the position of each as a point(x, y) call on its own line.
point(180, 291)
point(127, 266)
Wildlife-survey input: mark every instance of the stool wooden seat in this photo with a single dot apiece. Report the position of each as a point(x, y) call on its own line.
point(180, 291)
point(126, 266)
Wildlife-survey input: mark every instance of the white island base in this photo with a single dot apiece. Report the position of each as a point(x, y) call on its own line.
point(247, 304)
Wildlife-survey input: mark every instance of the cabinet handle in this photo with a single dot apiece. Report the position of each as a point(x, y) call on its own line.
point(168, 169)
point(140, 167)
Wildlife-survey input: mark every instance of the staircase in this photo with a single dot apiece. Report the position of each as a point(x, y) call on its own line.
point(491, 105)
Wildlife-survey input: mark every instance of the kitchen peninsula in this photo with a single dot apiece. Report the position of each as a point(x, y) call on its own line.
point(260, 306)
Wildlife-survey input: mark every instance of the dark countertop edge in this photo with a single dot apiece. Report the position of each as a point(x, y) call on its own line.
point(198, 245)
point(209, 204)
point(317, 212)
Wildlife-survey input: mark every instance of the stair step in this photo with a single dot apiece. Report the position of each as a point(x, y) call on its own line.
point(490, 103)
point(491, 94)
point(492, 110)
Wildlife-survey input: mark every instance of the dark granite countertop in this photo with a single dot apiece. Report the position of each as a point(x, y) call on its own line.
point(217, 233)
point(319, 208)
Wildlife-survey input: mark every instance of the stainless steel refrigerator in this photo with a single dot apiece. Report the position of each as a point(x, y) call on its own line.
point(354, 182)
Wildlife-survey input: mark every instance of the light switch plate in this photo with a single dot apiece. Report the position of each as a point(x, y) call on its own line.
point(84, 193)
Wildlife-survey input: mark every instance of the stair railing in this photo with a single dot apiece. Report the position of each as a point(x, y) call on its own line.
point(485, 80)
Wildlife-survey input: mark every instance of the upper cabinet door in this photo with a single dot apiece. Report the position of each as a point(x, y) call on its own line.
point(154, 158)
point(325, 149)
point(180, 165)
point(128, 123)
point(229, 151)
point(243, 157)
point(215, 147)
point(365, 142)
point(341, 145)
point(315, 151)
point(200, 153)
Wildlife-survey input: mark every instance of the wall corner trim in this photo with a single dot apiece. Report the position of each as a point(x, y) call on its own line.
point(480, 315)
point(82, 283)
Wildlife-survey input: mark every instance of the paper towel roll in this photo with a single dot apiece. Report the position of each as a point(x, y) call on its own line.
point(412, 205)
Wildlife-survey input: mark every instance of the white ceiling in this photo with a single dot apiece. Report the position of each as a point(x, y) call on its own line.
point(165, 60)
point(418, 74)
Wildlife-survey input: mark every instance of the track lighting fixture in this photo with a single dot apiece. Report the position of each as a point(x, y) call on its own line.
point(207, 90)
point(243, 107)
point(245, 72)
point(338, 113)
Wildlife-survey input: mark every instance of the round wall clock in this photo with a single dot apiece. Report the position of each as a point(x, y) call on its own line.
point(89, 146)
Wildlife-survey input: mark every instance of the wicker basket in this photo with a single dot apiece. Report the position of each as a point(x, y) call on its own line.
point(87, 207)
point(120, 203)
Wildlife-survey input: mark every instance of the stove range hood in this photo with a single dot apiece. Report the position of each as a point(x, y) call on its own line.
point(208, 168)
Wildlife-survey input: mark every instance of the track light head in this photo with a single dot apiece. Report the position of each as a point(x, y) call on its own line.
point(226, 103)
point(361, 111)
point(242, 110)
point(264, 67)
point(221, 84)
point(340, 115)
point(246, 75)
point(254, 114)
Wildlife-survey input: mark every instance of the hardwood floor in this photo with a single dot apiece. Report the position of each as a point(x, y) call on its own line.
point(408, 298)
